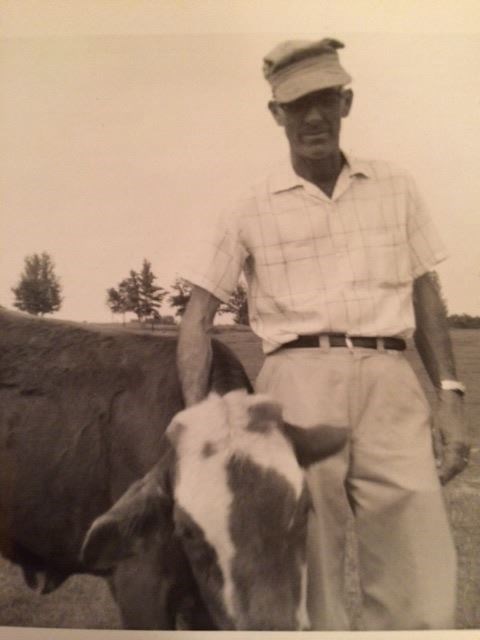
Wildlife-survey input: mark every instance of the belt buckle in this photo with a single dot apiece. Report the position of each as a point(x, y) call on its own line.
point(324, 342)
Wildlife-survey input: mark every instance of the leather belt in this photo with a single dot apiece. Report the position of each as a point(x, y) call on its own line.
point(341, 340)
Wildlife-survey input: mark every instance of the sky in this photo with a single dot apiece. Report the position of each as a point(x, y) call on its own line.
point(126, 127)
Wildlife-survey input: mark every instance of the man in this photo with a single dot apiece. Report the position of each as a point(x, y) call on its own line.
point(338, 255)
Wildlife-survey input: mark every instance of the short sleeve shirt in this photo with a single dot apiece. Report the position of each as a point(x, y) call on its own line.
point(315, 264)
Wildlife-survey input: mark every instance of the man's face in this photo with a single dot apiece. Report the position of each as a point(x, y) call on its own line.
point(312, 122)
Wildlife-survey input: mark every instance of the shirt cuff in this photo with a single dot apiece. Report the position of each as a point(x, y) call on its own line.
point(205, 283)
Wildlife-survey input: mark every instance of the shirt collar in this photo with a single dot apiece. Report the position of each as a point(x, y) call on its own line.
point(285, 178)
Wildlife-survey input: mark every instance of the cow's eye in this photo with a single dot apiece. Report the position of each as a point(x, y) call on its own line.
point(187, 533)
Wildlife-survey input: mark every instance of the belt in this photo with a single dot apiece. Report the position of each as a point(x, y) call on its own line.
point(341, 340)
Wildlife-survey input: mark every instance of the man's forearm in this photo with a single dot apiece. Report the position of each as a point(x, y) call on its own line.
point(194, 358)
point(194, 351)
point(432, 337)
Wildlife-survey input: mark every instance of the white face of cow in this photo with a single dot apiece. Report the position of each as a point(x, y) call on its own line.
point(230, 494)
point(241, 511)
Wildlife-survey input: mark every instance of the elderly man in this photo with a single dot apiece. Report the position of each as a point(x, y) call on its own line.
point(338, 255)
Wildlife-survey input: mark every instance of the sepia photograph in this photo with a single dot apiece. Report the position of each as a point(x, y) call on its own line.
point(239, 318)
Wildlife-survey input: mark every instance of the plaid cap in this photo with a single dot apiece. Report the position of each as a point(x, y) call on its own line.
point(297, 67)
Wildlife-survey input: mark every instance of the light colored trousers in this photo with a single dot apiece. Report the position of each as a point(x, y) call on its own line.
point(386, 474)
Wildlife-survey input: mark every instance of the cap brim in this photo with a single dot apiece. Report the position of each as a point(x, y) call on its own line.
point(307, 81)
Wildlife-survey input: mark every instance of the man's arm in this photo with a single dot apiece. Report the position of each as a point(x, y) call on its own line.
point(433, 342)
point(194, 352)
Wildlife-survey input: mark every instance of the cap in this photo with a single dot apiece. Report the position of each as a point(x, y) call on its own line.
point(297, 67)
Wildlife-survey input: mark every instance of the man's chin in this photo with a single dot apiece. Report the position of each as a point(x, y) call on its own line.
point(317, 152)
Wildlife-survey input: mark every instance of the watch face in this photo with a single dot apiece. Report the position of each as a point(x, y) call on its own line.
point(453, 385)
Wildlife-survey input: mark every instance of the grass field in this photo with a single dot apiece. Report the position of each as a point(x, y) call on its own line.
point(84, 602)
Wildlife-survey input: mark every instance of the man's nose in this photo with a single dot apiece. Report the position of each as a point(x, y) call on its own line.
point(314, 113)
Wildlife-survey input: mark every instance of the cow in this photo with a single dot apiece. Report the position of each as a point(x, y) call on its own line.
point(103, 471)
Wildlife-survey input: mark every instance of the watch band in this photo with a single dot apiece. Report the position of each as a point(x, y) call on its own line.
point(453, 385)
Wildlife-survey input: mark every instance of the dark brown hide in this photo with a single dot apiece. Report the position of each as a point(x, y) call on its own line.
point(82, 415)
point(268, 533)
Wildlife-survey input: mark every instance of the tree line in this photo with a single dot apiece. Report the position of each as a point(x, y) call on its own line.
point(38, 292)
point(139, 294)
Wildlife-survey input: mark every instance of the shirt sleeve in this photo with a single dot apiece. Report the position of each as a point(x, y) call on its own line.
point(218, 258)
point(426, 248)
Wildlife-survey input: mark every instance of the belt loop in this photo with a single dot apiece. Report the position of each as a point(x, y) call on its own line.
point(381, 345)
point(349, 343)
point(324, 343)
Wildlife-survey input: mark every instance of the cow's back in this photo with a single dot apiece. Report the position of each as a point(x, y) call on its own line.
point(82, 414)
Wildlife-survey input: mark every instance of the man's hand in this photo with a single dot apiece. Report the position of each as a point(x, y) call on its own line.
point(450, 436)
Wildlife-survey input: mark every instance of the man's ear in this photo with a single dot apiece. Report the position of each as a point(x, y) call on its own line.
point(277, 112)
point(347, 99)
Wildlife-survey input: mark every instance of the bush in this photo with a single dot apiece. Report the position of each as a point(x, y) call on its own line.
point(463, 321)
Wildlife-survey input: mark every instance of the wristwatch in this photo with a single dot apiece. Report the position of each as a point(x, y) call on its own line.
point(453, 385)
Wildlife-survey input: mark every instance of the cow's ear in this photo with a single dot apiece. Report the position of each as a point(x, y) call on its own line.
point(124, 530)
point(312, 444)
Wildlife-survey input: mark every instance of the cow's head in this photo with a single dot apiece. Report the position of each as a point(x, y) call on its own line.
point(233, 493)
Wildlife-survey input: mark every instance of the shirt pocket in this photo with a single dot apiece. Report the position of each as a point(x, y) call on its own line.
point(382, 257)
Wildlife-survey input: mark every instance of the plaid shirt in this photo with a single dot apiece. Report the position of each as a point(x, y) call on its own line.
point(316, 264)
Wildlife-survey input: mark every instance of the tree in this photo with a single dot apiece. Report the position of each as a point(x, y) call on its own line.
point(180, 298)
point(38, 291)
point(137, 293)
point(125, 297)
point(117, 301)
point(237, 305)
point(131, 288)
point(150, 296)
point(463, 321)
